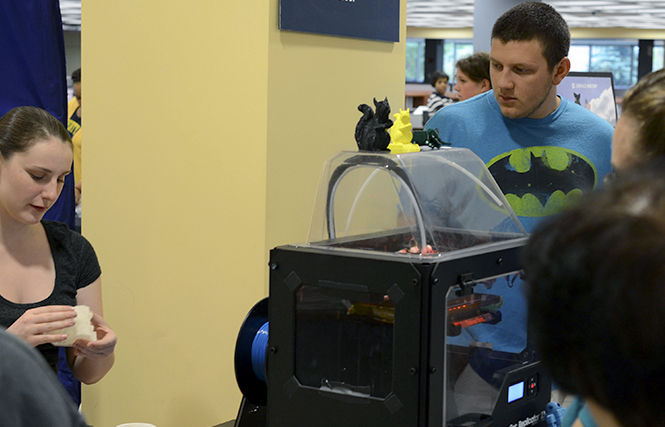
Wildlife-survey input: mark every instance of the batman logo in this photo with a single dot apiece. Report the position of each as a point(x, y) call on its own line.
point(540, 181)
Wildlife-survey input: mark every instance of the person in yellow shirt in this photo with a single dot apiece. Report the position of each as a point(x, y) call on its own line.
point(74, 129)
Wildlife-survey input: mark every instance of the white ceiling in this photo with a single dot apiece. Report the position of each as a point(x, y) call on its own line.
point(71, 14)
point(644, 14)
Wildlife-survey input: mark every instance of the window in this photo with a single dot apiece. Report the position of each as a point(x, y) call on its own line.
point(620, 60)
point(415, 60)
point(618, 56)
point(454, 50)
point(415, 57)
point(658, 55)
point(579, 57)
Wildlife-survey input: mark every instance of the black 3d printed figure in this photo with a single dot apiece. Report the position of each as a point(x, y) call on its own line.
point(372, 128)
point(429, 138)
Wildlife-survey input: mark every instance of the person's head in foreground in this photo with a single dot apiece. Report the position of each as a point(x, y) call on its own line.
point(640, 131)
point(528, 59)
point(596, 298)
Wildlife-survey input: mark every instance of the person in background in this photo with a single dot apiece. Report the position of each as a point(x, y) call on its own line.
point(74, 129)
point(47, 268)
point(596, 276)
point(65, 374)
point(30, 395)
point(473, 75)
point(439, 98)
point(75, 100)
point(543, 152)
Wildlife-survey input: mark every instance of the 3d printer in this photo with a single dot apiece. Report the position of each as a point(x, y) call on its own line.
point(405, 308)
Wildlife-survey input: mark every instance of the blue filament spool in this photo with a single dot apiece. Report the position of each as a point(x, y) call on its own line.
point(250, 354)
point(259, 346)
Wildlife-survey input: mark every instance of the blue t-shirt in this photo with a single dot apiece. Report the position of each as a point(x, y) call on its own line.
point(539, 164)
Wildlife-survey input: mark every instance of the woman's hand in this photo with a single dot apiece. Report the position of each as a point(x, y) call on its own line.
point(105, 344)
point(35, 324)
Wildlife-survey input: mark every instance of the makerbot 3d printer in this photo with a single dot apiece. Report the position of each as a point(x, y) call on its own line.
point(405, 308)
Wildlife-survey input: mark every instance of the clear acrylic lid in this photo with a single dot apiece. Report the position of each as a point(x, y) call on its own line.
point(442, 200)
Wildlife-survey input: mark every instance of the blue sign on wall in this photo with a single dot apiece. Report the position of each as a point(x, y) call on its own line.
point(367, 19)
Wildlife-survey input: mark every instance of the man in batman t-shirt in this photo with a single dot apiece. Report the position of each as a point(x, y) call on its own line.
point(542, 150)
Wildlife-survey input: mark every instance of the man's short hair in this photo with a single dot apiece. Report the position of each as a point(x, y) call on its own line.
point(436, 76)
point(535, 20)
point(596, 293)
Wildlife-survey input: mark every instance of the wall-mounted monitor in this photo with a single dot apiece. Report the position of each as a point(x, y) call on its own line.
point(592, 90)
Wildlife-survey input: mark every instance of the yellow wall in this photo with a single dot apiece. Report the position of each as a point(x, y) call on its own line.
point(315, 85)
point(206, 131)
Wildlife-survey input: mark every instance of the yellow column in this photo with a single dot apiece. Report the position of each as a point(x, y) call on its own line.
point(315, 85)
point(206, 129)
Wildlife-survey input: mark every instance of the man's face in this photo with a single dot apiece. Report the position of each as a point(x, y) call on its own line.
point(523, 84)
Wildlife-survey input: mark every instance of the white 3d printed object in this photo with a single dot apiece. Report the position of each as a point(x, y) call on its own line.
point(82, 329)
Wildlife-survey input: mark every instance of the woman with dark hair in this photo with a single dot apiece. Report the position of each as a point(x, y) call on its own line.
point(473, 75)
point(47, 268)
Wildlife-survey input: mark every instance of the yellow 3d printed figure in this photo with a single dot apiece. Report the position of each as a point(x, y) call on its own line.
point(401, 135)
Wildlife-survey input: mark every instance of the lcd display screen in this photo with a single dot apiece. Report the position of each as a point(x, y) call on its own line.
point(516, 391)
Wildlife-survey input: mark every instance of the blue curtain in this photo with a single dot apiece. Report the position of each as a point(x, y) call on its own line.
point(32, 72)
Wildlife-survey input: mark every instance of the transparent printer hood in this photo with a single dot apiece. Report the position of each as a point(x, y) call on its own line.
point(406, 306)
point(444, 201)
